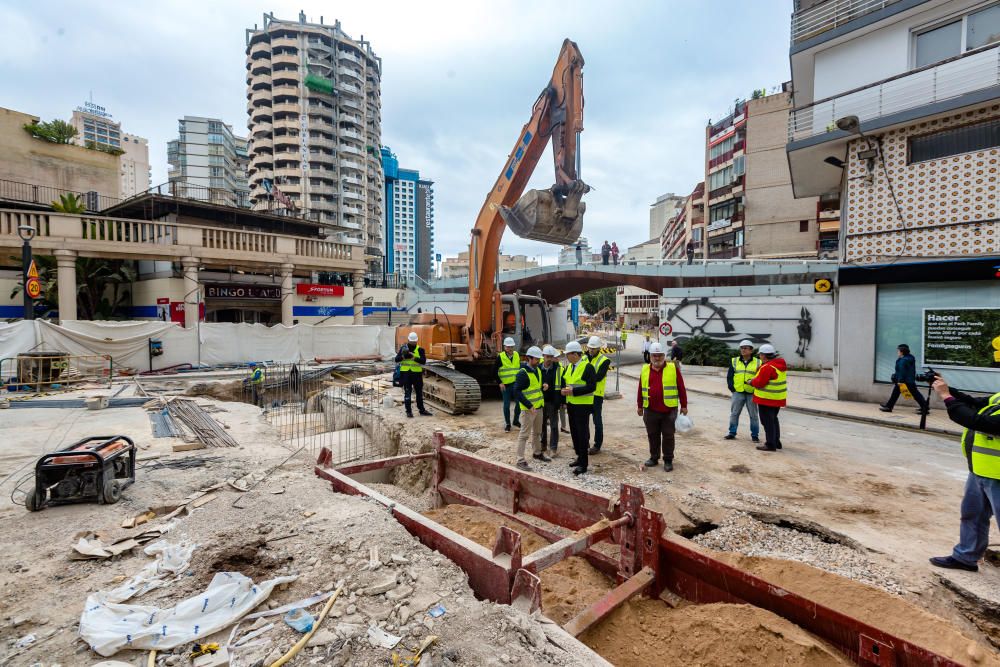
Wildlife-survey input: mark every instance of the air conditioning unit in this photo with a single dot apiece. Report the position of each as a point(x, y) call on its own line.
point(828, 254)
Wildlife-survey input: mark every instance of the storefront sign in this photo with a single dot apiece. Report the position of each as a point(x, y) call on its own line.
point(252, 292)
point(177, 311)
point(310, 289)
point(962, 337)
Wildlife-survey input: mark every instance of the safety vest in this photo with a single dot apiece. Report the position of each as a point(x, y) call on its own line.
point(573, 377)
point(670, 395)
point(257, 377)
point(534, 391)
point(597, 362)
point(743, 373)
point(411, 365)
point(983, 453)
point(509, 366)
point(777, 387)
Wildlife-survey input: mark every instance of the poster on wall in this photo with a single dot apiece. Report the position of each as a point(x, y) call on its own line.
point(962, 337)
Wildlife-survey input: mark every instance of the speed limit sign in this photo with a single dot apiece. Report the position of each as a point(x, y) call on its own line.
point(666, 329)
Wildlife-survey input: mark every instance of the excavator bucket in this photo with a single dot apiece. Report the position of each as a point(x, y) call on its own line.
point(541, 215)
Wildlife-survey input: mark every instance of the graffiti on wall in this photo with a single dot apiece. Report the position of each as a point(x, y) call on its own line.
point(700, 317)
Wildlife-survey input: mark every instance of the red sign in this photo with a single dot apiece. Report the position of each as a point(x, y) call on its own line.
point(666, 329)
point(33, 287)
point(162, 301)
point(310, 289)
point(177, 311)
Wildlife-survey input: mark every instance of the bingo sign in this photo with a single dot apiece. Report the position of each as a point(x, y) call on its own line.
point(33, 286)
point(666, 329)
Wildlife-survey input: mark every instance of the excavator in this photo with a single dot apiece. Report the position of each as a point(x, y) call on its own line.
point(554, 215)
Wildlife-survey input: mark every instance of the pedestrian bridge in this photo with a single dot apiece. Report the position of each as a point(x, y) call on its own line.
point(562, 281)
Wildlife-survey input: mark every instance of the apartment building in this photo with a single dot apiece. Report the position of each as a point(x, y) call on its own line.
point(424, 228)
point(662, 211)
point(314, 115)
point(409, 219)
point(896, 126)
point(687, 226)
point(96, 129)
point(458, 267)
point(208, 162)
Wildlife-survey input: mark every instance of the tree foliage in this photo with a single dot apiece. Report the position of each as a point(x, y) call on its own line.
point(104, 148)
point(706, 351)
point(69, 203)
point(595, 300)
point(103, 289)
point(57, 131)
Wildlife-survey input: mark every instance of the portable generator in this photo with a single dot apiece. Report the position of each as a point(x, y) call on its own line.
point(94, 469)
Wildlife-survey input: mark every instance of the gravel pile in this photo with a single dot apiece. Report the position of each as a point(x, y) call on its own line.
point(743, 534)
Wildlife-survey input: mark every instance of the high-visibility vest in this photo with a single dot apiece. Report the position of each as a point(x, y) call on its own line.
point(743, 373)
point(509, 366)
point(257, 377)
point(776, 388)
point(983, 453)
point(534, 391)
point(411, 365)
point(670, 395)
point(598, 362)
point(573, 377)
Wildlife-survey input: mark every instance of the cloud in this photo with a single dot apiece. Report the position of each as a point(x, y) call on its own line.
point(459, 80)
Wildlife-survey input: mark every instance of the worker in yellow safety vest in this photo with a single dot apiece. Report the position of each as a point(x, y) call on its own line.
point(579, 384)
point(770, 393)
point(661, 394)
point(257, 383)
point(411, 359)
point(601, 366)
point(507, 365)
point(981, 448)
point(742, 369)
point(529, 392)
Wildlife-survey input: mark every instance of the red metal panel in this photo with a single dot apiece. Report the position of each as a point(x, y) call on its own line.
point(571, 545)
point(381, 464)
point(526, 594)
point(628, 535)
point(651, 526)
point(593, 614)
point(507, 545)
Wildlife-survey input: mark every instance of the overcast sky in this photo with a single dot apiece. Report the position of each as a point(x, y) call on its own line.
point(459, 80)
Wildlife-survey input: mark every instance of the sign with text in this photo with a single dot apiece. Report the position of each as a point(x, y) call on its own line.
point(962, 337)
point(249, 292)
point(177, 311)
point(311, 289)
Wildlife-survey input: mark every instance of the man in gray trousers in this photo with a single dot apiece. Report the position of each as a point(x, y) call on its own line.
point(742, 369)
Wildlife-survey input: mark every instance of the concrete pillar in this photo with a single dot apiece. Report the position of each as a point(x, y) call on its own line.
point(287, 294)
point(66, 279)
point(359, 297)
point(192, 297)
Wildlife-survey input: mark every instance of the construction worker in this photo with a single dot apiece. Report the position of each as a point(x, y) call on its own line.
point(601, 365)
point(579, 383)
point(554, 401)
point(981, 447)
point(257, 384)
point(770, 391)
point(529, 392)
point(661, 394)
point(507, 365)
point(411, 359)
point(741, 370)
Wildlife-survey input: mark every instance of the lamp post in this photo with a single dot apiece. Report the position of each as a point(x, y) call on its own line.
point(26, 232)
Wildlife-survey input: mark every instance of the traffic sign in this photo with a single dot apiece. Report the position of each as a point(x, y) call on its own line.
point(666, 329)
point(822, 285)
point(33, 287)
point(32, 270)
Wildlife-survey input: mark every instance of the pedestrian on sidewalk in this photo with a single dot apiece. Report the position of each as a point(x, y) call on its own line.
point(689, 251)
point(529, 393)
point(742, 369)
point(661, 394)
point(605, 253)
point(507, 365)
point(645, 349)
point(579, 253)
point(579, 383)
point(615, 252)
point(601, 366)
point(411, 359)
point(554, 401)
point(676, 353)
point(981, 448)
point(770, 391)
point(905, 376)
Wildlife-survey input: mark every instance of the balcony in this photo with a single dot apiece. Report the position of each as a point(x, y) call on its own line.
point(351, 164)
point(356, 196)
point(350, 72)
point(831, 14)
point(285, 59)
point(347, 56)
point(350, 134)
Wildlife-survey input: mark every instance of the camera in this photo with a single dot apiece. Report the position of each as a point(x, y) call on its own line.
point(927, 376)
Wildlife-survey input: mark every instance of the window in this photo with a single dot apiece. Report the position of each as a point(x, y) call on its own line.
point(955, 141)
point(969, 32)
point(722, 211)
point(721, 147)
point(803, 225)
point(720, 178)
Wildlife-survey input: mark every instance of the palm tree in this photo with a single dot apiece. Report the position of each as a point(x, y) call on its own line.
point(69, 203)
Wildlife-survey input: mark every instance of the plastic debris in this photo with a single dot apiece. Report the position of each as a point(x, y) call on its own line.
point(379, 637)
point(300, 620)
point(437, 611)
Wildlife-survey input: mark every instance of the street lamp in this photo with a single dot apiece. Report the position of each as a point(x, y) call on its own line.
point(26, 232)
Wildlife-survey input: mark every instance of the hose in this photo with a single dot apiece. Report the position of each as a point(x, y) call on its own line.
point(292, 652)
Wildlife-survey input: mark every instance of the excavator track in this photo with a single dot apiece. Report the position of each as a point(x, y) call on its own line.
point(452, 391)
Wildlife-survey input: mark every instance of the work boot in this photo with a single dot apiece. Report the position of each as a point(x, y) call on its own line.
point(729, 436)
point(409, 414)
point(594, 450)
point(755, 438)
point(884, 408)
point(765, 448)
point(651, 463)
point(579, 471)
point(668, 466)
point(541, 457)
point(523, 465)
point(950, 563)
point(778, 446)
point(517, 423)
point(425, 413)
point(507, 428)
point(563, 430)
point(574, 463)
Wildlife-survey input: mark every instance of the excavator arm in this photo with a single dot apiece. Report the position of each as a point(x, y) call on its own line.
point(554, 215)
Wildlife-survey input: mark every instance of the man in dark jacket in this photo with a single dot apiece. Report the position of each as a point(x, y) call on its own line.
point(981, 447)
point(551, 384)
point(906, 375)
point(579, 384)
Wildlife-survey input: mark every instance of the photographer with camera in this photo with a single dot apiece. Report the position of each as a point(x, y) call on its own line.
point(981, 448)
point(411, 359)
point(905, 376)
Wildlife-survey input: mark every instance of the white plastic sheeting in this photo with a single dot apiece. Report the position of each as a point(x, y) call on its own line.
point(127, 342)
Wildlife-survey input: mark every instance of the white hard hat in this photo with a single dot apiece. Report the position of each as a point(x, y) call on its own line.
point(508, 342)
point(573, 346)
point(656, 348)
point(551, 351)
point(412, 337)
point(594, 343)
point(534, 351)
point(745, 343)
point(767, 348)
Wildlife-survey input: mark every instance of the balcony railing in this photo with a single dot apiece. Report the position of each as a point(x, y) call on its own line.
point(830, 14)
point(952, 78)
point(43, 194)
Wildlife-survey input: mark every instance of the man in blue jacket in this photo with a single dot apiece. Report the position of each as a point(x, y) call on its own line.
point(906, 374)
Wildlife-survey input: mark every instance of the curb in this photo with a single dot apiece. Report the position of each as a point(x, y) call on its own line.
point(836, 415)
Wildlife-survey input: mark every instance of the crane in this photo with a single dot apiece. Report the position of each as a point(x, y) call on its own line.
point(554, 215)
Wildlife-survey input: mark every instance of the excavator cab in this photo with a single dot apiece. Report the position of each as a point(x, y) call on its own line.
point(554, 215)
point(526, 320)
